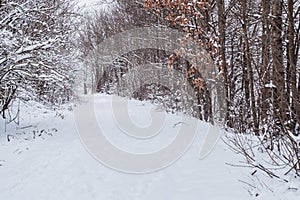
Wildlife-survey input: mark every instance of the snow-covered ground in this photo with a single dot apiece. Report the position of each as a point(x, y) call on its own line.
point(87, 5)
point(43, 158)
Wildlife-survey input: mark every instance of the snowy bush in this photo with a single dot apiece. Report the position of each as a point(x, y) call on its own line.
point(35, 51)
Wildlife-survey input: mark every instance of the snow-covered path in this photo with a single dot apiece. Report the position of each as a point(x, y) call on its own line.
point(58, 167)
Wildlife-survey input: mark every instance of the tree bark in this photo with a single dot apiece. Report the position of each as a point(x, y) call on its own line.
point(292, 68)
point(281, 106)
point(266, 93)
point(248, 65)
point(222, 37)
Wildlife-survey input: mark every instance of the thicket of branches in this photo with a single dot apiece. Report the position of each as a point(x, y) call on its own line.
point(258, 56)
point(35, 51)
point(122, 76)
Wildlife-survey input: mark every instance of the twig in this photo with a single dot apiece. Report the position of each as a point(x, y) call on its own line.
point(247, 183)
point(177, 124)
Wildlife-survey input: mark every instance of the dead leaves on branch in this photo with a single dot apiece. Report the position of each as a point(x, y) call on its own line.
point(189, 17)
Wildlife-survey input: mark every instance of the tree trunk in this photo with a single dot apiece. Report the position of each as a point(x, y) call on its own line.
point(222, 36)
point(281, 106)
point(292, 68)
point(248, 65)
point(266, 67)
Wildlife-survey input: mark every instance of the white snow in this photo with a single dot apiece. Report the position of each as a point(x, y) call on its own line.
point(87, 2)
point(92, 4)
point(270, 85)
point(42, 163)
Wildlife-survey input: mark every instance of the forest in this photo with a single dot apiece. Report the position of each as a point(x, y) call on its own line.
point(51, 49)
